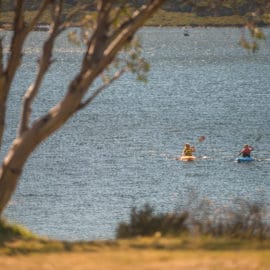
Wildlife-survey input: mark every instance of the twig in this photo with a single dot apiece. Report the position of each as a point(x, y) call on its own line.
point(102, 87)
point(45, 62)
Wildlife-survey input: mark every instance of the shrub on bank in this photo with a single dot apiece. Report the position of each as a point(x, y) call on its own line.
point(145, 222)
point(9, 232)
point(242, 220)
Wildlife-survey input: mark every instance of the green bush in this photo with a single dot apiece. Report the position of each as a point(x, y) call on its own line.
point(9, 232)
point(145, 222)
point(241, 220)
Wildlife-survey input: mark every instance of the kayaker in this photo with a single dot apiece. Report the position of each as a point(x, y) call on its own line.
point(188, 150)
point(245, 152)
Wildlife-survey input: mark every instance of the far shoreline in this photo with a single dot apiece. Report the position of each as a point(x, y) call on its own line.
point(45, 27)
point(161, 19)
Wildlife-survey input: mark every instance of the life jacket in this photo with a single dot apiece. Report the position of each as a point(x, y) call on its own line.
point(246, 151)
point(188, 152)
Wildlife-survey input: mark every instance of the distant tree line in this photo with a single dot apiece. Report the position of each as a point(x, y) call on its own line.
point(199, 7)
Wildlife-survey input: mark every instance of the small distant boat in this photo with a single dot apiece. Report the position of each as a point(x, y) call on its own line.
point(186, 33)
point(187, 158)
point(42, 27)
point(244, 159)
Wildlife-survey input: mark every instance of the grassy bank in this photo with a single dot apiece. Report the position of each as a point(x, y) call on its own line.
point(140, 253)
point(19, 249)
point(39, 245)
point(163, 18)
point(140, 259)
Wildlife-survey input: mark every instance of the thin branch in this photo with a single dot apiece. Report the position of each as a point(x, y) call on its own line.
point(102, 49)
point(1, 58)
point(44, 64)
point(19, 16)
point(126, 31)
point(72, 15)
point(16, 46)
point(100, 33)
point(19, 35)
point(119, 11)
point(102, 88)
point(91, 68)
point(2, 94)
point(38, 15)
point(13, 62)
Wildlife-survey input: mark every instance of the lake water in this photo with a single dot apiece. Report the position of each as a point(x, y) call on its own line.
point(120, 151)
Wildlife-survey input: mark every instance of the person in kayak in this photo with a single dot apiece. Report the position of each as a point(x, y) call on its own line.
point(188, 150)
point(245, 152)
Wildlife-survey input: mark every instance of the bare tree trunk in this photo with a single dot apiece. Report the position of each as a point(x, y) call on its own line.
point(101, 51)
point(20, 33)
point(23, 146)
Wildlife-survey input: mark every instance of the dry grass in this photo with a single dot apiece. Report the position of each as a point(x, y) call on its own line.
point(152, 253)
point(19, 249)
point(140, 259)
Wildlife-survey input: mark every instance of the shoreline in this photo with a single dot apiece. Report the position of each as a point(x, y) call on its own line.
point(161, 18)
point(45, 27)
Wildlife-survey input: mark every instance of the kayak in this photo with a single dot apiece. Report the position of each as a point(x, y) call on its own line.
point(245, 159)
point(187, 158)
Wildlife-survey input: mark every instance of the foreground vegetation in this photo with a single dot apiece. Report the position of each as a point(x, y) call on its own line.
point(24, 250)
point(124, 258)
point(152, 240)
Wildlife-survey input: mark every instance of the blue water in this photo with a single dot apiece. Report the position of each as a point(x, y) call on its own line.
point(120, 151)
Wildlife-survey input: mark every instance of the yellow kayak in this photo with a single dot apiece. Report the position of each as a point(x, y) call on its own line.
point(187, 158)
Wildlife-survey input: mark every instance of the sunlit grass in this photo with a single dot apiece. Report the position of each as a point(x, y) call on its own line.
point(141, 259)
point(138, 253)
point(191, 252)
point(9, 232)
point(29, 244)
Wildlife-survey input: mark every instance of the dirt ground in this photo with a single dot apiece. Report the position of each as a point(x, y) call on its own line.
point(140, 259)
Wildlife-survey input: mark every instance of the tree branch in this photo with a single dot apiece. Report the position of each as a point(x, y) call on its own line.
point(119, 10)
point(108, 46)
point(44, 63)
point(38, 15)
point(19, 35)
point(2, 95)
point(1, 59)
point(57, 116)
point(18, 38)
point(100, 34)
point(7, 73)
point(117, 75)
point(90, 69)
point(69, 18)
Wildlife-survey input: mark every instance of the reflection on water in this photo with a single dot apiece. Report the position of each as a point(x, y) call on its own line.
point(120, 152)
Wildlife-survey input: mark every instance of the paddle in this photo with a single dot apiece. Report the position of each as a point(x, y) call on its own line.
point(258, 138)
point(246, 146)
point(200, 140)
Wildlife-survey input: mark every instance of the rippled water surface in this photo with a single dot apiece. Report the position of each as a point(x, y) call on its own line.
point(120, 151)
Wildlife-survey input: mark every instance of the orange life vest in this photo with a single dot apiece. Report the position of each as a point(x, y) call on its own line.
point(188, 152)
